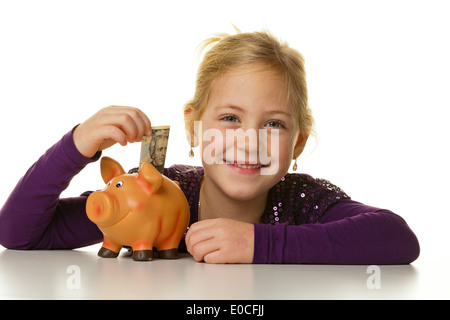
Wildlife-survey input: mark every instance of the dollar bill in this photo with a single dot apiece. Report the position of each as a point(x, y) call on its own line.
point(154, 147)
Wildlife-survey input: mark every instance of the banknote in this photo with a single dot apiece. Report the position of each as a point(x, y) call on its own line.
point(154, 147)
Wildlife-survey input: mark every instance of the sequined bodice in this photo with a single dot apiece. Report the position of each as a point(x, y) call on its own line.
point(300, 199)
point(296, 199)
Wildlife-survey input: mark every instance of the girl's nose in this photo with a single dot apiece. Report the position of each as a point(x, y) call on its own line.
point(246, 145)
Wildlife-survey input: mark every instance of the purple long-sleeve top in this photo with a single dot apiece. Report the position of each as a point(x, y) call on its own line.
point(306, 220)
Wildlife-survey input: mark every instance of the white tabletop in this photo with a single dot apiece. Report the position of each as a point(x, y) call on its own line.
point(80, 274)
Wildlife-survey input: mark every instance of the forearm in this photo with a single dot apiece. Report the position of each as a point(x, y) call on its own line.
point(31, 207)
point(350, 233)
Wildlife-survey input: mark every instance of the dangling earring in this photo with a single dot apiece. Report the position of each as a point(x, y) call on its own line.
point(191, 152)
point(295, 165)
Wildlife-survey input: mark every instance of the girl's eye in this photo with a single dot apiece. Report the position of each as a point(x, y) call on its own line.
point(119, 184)
point(275, 124)
point(230, 118)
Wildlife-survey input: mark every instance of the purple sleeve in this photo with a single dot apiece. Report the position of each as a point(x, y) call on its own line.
point(34, 216)
point(348, 233)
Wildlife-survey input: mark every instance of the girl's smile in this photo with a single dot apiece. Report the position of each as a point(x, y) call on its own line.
point(245, 169)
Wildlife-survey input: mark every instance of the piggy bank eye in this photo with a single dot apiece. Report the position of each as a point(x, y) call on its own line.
point(109, 183)
point(119, 184)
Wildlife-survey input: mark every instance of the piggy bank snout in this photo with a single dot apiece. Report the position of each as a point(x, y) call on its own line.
point(101, 208)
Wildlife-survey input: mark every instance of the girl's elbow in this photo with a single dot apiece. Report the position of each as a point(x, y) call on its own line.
point(10, 237)
point(404, 245)
point(397, 243)
point(8, 244)
point(410, 247)
point(13, 243)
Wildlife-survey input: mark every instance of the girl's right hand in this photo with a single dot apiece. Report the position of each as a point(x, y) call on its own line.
point(108, 126)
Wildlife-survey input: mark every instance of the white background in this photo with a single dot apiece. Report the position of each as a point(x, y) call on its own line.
point(378, 74)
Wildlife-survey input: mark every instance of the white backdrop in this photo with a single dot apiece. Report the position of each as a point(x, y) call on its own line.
point(378, 75)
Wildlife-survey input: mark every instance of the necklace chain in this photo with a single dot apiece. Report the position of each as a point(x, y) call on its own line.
point(199, 210)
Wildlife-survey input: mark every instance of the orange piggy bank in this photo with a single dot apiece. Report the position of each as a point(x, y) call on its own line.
point(143, 211)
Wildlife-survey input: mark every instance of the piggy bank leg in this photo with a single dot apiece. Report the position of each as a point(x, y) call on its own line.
point(168, 248)
point(142, 250)
point(168, 254)
point(107, 253)
point(142, 255)
point(109, 249)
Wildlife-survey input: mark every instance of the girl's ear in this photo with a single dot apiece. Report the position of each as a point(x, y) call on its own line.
point(300, 145)
point(189, 125)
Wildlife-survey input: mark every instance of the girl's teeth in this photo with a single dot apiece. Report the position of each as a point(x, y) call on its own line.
point(243, 166)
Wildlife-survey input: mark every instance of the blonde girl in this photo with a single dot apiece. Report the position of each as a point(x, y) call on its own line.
point(246, 83)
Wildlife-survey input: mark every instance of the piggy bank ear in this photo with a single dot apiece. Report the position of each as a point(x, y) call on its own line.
point(149, 173)
point(110, 168)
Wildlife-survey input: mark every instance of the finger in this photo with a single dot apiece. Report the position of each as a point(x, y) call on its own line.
point(197, 233)
point(203, 248)
point(215, 257)
point(142, 122)
point(124, 122)
point(147, 122)
point(116, 134)
point(136, 126)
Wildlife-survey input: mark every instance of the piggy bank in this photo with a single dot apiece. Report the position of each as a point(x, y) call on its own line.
point(141, 211)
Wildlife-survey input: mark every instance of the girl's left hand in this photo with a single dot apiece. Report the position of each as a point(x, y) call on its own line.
point(221, 241)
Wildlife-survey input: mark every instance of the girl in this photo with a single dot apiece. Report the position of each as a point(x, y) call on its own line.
point(249, 82)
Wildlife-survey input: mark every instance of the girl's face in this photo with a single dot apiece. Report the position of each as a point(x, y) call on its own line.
point(241, 105)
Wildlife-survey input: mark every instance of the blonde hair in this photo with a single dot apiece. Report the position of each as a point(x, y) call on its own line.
point(224, 52)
